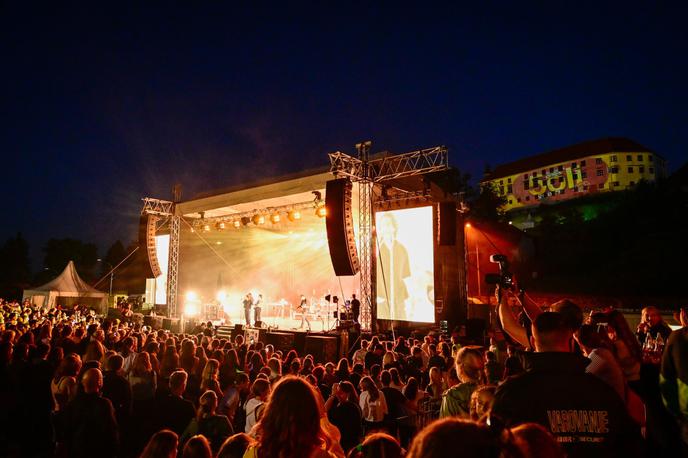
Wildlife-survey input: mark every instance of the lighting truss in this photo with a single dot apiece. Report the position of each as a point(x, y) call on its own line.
point(311, 204)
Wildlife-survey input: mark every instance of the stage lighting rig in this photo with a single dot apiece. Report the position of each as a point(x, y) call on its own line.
point(206, 228)
point(321, 211)
point(237, 223)
point(258, 219)
point(293, 215)
point(221, 225)
point(275, 218)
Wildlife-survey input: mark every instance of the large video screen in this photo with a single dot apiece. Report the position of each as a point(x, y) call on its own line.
point(405, 281)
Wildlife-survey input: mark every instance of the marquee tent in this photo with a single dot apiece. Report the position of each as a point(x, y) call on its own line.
point(67, 289)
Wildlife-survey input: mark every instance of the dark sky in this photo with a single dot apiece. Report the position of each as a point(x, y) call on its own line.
point(104, 106)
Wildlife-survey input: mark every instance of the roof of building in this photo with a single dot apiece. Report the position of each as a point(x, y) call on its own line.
point(579, 150)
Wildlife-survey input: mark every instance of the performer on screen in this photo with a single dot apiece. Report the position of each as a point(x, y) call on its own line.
point(392, 270)
point(248, 303)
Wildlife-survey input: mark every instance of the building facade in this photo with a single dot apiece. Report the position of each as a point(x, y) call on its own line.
point(610, 164)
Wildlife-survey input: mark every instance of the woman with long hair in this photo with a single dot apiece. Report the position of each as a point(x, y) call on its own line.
point(187, 357)
point(197, 447)
point(626, 347)
point(291, 425)
point(162, 444)
point(373, 404)
point(275, 370)
point(342, 373)
point(344, 413)
point(64, 385)
point(216, 428)
point(142, 378)
point(210, 379)
point(229, 368)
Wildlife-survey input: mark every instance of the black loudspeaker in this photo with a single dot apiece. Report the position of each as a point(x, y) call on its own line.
point(446, 227)
point(323, 348)
point(155, 322)
point(340, 227)
point(147, 225)
point(171, 324)
point(475, 330)
point(280, 340)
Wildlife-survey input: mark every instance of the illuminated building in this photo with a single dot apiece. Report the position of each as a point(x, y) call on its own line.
point(610, 164)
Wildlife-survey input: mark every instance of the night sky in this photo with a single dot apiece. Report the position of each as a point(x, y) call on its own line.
point(104, 106)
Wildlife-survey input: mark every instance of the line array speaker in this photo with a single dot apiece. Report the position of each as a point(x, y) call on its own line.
point(147, 225)
point(340, 227)
point(446, 222)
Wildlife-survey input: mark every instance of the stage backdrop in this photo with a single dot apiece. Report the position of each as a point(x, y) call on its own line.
point(405, 269)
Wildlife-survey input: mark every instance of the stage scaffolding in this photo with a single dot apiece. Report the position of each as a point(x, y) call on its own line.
point(363, 170)
point(368, 172)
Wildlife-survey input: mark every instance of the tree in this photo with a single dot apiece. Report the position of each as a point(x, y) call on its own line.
point(58, 252)
point(15, 270)
point(487, 206)
point(113, 256)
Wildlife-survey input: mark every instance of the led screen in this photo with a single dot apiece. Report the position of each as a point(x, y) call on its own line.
point(405, 282)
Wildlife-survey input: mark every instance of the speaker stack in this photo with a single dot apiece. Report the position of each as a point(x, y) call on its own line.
point(340, 227)
point(323, 348)
point(147, 225)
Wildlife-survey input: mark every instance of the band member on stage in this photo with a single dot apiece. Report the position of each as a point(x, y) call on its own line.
point(257, 308)
point(355, 307)
point(303, 308)
point(248, 303)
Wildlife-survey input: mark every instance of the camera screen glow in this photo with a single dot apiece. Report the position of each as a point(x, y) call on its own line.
point(405, 269)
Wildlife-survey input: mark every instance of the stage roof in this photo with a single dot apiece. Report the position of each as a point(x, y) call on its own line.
point(277, 192)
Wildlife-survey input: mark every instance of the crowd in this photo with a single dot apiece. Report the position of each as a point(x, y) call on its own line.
point(556, 384)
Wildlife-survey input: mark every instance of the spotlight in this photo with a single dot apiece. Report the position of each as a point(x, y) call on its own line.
point(221, 225)
point(258, 219)
point(468, 225)
point(275, 218)
point(193, 230)
point(237, 224)
point(191, 296)
point(206, 228)
point(293, 215)
point(190, 309)
point(321, 211)
point(221, 296)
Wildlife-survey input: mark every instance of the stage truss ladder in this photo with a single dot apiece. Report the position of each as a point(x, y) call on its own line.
point(368, 172)
point(167, 209)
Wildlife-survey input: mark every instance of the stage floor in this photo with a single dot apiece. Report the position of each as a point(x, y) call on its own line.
point(290, 324)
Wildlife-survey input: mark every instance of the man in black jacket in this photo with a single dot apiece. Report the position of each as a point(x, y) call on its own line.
point(585, 415)
point(88, 422)
point(173, 410)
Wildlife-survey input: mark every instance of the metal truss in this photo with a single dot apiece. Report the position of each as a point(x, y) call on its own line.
point(367, 173)
point(365, 239)
point(157, 207)
point(390, 167)
point(311, 204)
point(166, 208)
point(173, 267)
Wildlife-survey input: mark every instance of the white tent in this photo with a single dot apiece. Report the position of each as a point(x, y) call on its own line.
point(67, 289)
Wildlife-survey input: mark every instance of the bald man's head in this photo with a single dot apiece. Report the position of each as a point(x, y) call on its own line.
point(92, 380)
